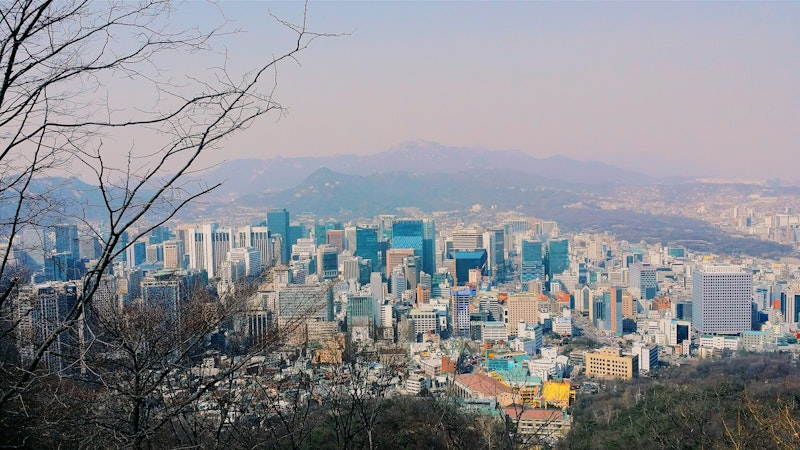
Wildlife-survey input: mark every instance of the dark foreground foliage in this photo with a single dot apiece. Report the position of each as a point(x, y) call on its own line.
point(749, 401)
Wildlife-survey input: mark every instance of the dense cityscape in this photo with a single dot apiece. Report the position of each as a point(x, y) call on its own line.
point(506, 315)
point(586, 235)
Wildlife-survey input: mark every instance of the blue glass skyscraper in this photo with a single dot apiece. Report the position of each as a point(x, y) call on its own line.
point(418, 235)
point(531, 261)
point(278, 223)
point(367, 245)
point(557, 258)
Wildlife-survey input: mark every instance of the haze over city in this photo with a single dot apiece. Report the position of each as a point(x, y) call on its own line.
point(399, 225)
point(664, 89)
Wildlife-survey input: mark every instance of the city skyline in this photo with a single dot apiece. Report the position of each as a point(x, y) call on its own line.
point(328, 298)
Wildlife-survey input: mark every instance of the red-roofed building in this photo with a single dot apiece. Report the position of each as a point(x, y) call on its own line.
point(480, 386)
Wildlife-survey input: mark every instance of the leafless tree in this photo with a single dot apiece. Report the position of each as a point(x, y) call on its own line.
point(65, 70)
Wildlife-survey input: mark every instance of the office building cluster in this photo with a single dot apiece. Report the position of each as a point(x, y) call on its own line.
point(483, 304)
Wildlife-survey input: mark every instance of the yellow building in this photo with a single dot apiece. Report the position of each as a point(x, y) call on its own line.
point(610, 362)
point(557, 393)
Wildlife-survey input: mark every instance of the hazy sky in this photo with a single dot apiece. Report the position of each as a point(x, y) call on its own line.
point(697, 87)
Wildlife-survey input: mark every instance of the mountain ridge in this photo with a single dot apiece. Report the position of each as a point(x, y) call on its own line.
point(413, 157)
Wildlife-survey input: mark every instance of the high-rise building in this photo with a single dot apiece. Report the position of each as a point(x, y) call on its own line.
point(258, 238)
point(250, 257)
point(642, 279)
point(297, 231)
point(515, 226)
point(721, 299)
point(399, 283)
point(327, 262)
point(360, 307)
point(612, 309)
point(790, 307)
point(60, 267)
point(395, 257)
point(531, 260)
point(548, 228)
point(425, 280)
point(521, 308)
point(321, 229)
point(335, 238)
point(195, 248)
point(350, 238)
point(419, 235)
point(136, 253)
point(217, 243)
point(278, 223)
point(154, 253)
point(460, 299)
point(66, 240)
point(497, 257)
point(557, 257)
point(629, 305)
point(376, 287)
point(466, 261)
point(423, 294)
point(428, 246)
point(167, 292)
point(411, 271)
point(307, 301)
point(366, 246)
point(42, 310)
point(467, 239)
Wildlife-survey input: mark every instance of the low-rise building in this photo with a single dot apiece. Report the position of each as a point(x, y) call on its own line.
point(480, 386)
point(719, 342)
point(548, 424)
point(610, 362)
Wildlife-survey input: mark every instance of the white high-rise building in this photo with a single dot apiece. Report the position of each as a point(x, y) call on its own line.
point(376, 285)
point(218, 242)
point(249, 256)
point(258, 238)
point(721, 299)
point(195, 248)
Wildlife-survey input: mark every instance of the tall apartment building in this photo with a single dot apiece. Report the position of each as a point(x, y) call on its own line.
point(721, 299)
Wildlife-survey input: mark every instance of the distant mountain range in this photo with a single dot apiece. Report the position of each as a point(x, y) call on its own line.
point(433, 177)
point(414, 158)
